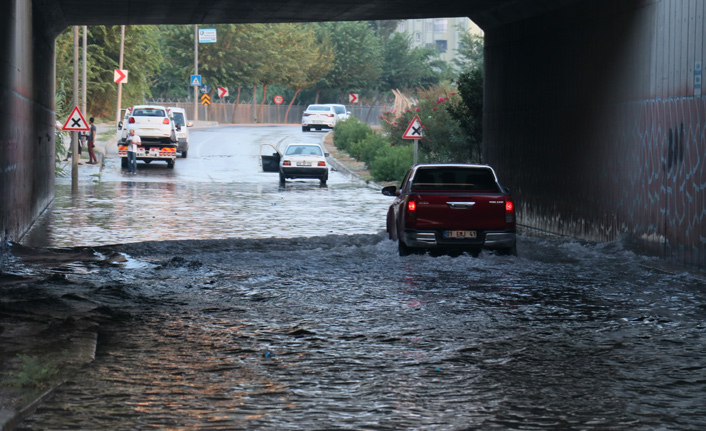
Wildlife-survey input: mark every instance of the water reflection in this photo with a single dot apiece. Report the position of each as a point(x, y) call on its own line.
point(143, 210)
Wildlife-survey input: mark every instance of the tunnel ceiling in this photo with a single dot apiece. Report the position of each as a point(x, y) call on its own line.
point(59, 14)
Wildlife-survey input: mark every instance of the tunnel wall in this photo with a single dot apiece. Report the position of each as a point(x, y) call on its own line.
point(594, 118)
point(28, 119)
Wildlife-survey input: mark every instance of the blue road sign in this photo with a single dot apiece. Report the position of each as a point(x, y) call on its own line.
point(205, 88)
point(195, 80)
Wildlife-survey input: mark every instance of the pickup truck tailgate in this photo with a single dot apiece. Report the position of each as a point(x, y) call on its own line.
point(458, 211)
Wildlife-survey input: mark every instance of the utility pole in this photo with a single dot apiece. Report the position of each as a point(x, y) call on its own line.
point(74, 135)
point(85, 61)
point(120, 84)
point(196, 71)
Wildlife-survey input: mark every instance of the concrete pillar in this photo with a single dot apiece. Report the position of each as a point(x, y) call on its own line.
point(27, 119)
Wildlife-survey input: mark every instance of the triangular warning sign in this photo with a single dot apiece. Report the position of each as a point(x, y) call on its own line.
point(195, 81)
point(76, 122)
point(414, 130)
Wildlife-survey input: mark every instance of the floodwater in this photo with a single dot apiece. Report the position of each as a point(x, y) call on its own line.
point(306, 329)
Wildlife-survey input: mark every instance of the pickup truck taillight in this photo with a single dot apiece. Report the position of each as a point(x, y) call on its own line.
point(509, 212)
point(165, 121)
point(411, 206)
point(131, 120)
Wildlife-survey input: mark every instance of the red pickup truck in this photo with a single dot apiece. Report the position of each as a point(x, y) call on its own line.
point(451, 208)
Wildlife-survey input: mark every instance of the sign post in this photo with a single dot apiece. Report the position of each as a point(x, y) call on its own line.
point(414, 131)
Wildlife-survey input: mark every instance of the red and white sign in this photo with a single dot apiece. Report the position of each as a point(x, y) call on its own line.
point(222, 92)
point(353, 98)
point(278, 99)
point(414, 130)
point(76, 122)
point(120, 76)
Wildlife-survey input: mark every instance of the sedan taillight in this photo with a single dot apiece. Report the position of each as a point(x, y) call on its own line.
point(322, 163)
point(165, 121)
point(286, 163)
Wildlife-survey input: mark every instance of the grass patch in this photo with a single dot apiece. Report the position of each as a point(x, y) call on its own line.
point(33, 372)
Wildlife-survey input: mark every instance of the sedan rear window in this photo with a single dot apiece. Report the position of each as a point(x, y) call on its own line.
point(309, 150)
point(457, 179)
point(318, 108)
point(149, 113)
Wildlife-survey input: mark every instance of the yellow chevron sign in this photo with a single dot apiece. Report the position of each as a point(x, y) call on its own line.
point(205, 99)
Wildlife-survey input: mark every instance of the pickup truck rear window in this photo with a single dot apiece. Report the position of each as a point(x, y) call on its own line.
point(454, 179)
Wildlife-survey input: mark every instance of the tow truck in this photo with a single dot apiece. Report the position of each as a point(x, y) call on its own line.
point(157, 131)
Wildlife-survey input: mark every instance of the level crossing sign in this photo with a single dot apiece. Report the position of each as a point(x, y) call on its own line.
point(414, 130)
point(76, 122)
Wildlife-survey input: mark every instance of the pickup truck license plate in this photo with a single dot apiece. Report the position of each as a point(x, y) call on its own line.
point(460, 234)
point(303, 163)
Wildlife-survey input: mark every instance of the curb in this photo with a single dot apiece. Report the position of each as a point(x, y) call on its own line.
point(345, 170)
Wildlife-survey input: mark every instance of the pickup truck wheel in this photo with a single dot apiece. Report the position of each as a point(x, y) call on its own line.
point(403, 249)
point(390, 226)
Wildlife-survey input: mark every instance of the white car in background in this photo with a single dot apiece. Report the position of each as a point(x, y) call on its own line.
point(341, 111)
point(319, 117)
point(301, 160)
point(152, 123)
point(179, 117)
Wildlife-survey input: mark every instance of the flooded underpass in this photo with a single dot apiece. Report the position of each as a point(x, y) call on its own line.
point(235, 303)
point(338, 332)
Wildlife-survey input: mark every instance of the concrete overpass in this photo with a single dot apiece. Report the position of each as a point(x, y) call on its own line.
point(593, 108)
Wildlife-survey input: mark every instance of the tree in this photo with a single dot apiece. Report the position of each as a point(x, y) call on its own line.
point(357, 63)
point(141, 58)
point(313, 59)
point(470, 52)
point(469, 112)
point(405, 67)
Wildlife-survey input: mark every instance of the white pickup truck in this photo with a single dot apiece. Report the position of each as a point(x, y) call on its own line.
point(157, 131)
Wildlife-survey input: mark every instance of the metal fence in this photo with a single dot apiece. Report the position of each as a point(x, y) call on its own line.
point(243, 113)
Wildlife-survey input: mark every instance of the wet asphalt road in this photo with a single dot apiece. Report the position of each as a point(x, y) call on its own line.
point(286, 326)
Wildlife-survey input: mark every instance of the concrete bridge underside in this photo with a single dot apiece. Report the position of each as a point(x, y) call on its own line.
point(593, 110)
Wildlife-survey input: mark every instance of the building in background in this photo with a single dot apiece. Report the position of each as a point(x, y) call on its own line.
point(441, 34)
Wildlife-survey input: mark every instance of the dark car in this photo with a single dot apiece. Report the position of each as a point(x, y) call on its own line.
point(451, 208)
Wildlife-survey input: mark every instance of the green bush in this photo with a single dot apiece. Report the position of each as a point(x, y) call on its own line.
point(348, 132)
point(444, 139)
point(366, 149)
point(392, 162)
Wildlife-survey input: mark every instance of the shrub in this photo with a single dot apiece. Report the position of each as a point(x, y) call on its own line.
point(365, 150)
point(391, 163)
point(348, 132)
point(444, 139)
